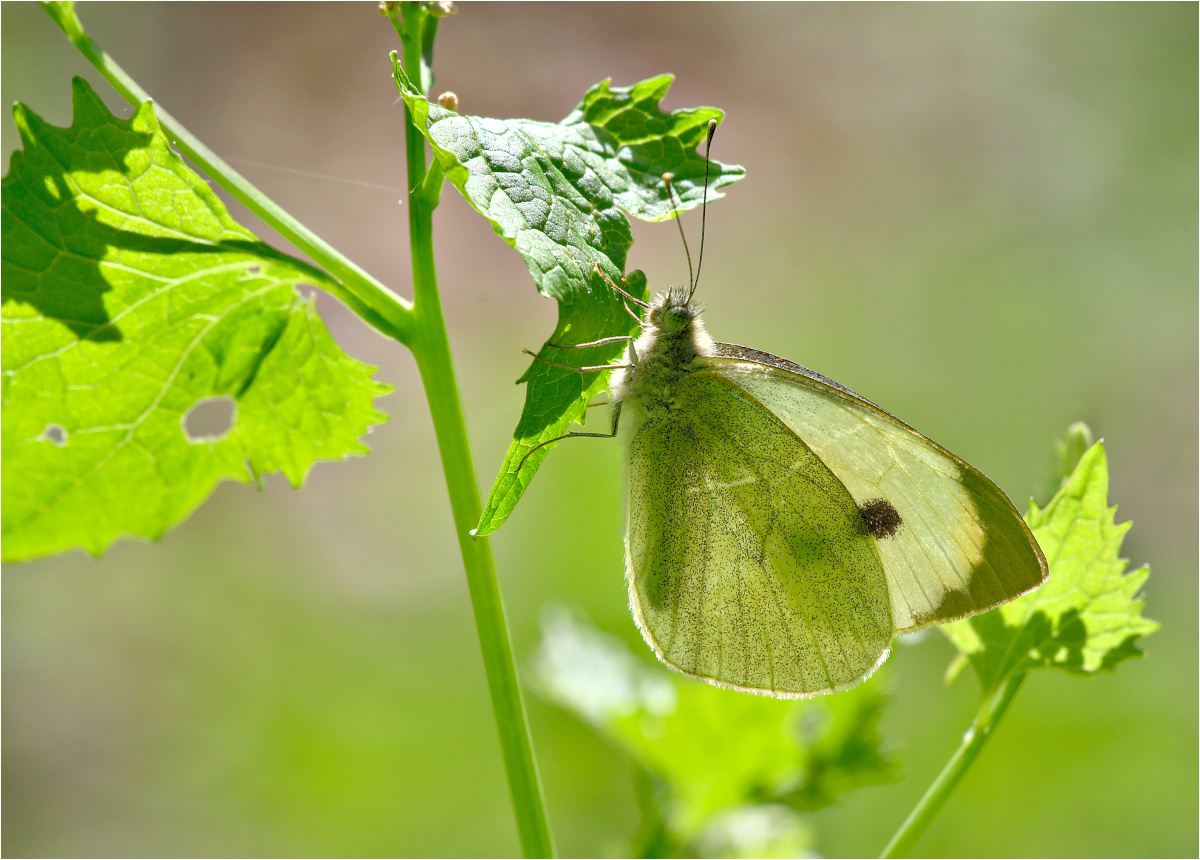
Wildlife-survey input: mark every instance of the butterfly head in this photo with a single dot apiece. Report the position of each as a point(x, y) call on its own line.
point(673, 311)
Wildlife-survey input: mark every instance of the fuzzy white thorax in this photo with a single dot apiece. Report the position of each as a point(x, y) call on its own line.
point(673, 343)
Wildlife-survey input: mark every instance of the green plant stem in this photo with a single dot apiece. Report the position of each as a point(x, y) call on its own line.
point(431, 348)
point(989, 714)
point(421, 326)
point(375, 303)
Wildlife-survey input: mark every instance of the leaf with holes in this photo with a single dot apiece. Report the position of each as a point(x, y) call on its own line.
point(556, 193)
point(130, 296)
point(1087, 617)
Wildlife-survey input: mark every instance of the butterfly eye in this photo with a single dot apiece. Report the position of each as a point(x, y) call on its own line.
point(678, 317)
point(656, 317)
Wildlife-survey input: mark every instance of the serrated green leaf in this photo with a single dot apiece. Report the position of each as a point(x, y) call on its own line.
point(556, 193)
point(714, 750)
point(129, 296)
point(1067, 452)
point(1087, 617)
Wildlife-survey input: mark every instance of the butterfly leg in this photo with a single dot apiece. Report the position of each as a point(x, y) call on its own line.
point(625, 338)
point(559, 439)
point(609, 281)
point(592, 368)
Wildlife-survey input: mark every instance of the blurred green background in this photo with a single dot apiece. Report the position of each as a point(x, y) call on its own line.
point(982, 217)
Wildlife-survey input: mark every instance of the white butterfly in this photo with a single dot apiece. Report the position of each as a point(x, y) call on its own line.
point(780, 528)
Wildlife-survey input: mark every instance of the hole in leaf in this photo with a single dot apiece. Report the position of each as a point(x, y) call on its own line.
point(210, 419)
point(254, 270)
point(55, 433)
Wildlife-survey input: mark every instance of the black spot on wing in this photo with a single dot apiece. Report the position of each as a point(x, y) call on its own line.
point(880, 518)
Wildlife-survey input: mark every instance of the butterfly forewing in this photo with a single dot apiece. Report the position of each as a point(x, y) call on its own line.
point(957, 545)
point(749, 563)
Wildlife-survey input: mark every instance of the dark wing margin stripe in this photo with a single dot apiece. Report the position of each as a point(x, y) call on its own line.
point(757, 356)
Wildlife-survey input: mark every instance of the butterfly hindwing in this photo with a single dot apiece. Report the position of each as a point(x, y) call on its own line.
point(952, 544)
point(749, 564)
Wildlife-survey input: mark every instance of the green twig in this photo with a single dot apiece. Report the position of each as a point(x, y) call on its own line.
point(986, 718)
point(376, 304)
point(431, 347)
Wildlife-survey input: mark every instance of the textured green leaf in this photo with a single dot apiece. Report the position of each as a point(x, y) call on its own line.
point(1087, 616)
point(556, 193)
point(129, 296)
point(713, 750)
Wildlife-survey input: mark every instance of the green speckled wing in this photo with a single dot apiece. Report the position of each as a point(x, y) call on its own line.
point(962, 548)
point(748, 563)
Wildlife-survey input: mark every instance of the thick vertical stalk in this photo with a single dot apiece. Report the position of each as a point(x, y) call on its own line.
point(421, 327)
point(989, 714)
point(431, 347)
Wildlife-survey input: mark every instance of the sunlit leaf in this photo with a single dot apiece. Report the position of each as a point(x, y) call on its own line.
point(1087, 617)
point(557, 192)
point(131, 296)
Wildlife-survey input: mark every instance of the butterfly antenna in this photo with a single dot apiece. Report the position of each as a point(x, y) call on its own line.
point(669, 181)
point(712, 129)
